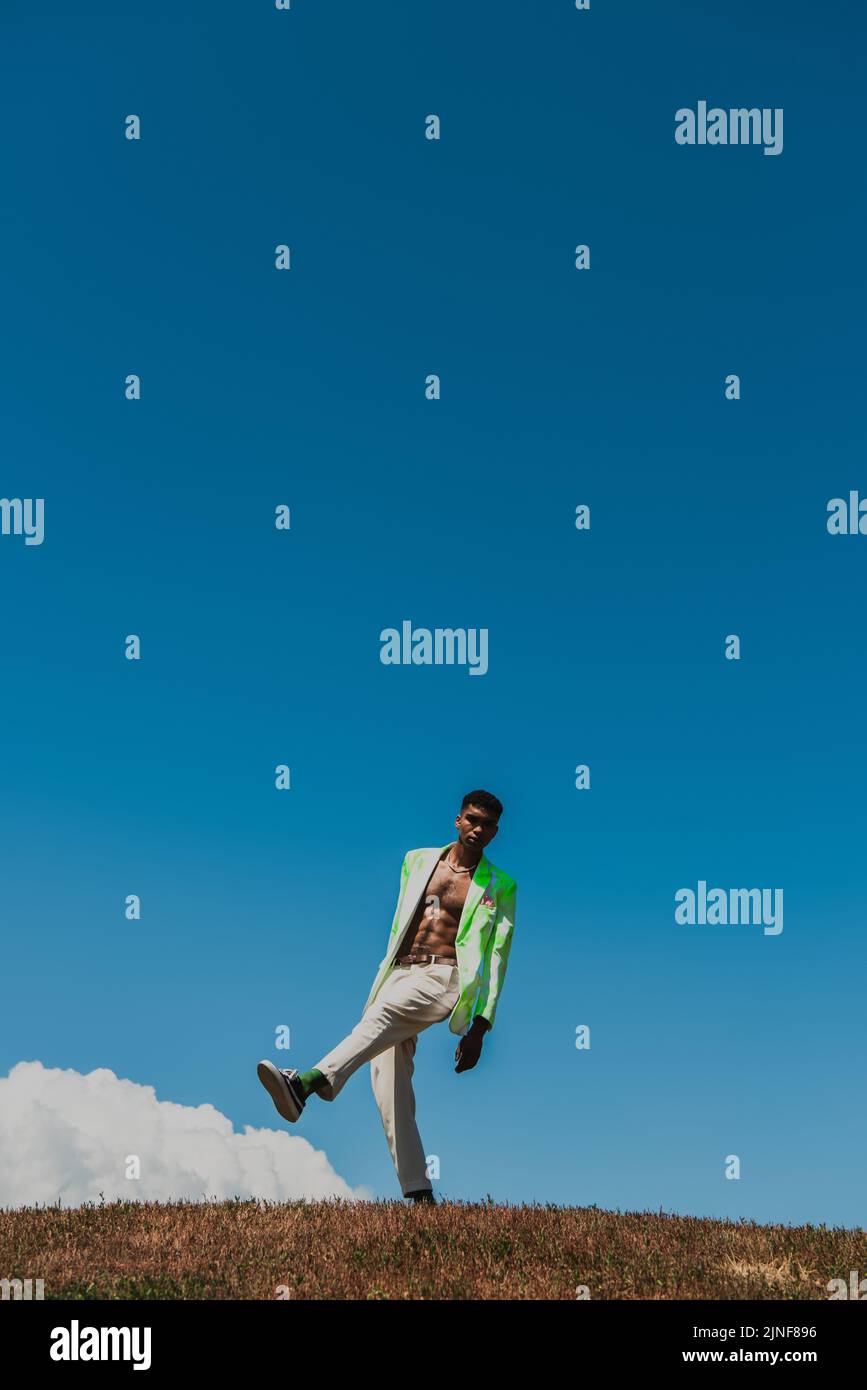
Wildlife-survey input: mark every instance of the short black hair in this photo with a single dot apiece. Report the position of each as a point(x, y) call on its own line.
point(486, 801)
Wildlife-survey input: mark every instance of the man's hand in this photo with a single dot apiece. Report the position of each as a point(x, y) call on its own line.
point(469, 1049)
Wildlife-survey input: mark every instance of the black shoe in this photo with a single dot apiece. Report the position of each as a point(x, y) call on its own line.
point(284, 1089)
point(424, 1194)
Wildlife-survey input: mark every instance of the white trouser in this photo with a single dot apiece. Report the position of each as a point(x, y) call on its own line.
point(411, 999)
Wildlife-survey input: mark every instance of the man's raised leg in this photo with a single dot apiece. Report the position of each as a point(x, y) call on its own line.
point(409, 1001)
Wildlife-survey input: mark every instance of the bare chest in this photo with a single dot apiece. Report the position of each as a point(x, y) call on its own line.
point(448, 890)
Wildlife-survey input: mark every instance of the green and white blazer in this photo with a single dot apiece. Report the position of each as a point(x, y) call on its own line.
point(484, 937)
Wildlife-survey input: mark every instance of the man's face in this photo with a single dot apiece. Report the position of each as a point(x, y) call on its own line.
point(476, 828)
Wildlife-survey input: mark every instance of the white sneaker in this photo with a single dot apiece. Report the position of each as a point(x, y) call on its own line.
point(283, 1088)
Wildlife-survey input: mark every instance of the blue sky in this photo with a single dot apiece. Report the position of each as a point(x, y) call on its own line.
point(605, 647)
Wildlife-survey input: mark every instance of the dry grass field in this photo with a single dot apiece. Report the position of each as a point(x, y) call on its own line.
point(456, 1250)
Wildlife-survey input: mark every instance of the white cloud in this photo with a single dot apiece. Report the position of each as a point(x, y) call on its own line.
point(67, 1136)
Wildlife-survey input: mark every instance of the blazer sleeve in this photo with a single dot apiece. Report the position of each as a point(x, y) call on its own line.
point(404, 875)
point(497, 955)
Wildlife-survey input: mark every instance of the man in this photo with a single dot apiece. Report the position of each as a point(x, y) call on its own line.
point(446, 958)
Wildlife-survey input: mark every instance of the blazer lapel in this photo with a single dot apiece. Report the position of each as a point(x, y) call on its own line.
point(480, 880)
point(416, 886)
point(419, 880)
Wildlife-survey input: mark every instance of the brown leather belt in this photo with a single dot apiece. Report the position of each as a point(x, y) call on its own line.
point(423, 958)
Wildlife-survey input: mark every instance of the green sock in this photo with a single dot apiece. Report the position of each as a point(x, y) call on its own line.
point(311, 1081)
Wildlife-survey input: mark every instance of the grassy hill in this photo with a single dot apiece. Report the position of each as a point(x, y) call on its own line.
point(459, 1250)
